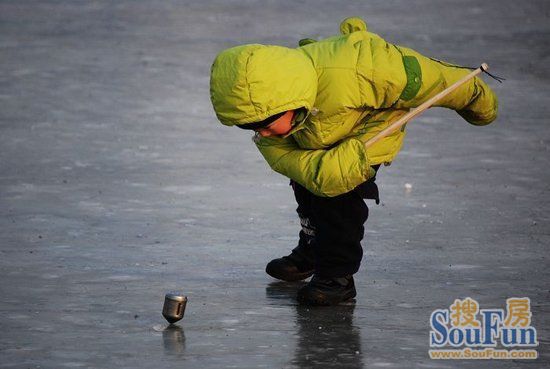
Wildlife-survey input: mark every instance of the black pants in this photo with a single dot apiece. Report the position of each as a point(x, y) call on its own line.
point(333, 227)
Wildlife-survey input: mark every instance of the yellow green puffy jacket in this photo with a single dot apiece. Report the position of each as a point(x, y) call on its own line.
point(347, 88)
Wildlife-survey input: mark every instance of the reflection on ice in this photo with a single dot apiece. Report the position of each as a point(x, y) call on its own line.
point(173, 338)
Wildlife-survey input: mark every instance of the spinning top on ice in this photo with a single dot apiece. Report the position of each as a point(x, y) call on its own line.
point(174, 307)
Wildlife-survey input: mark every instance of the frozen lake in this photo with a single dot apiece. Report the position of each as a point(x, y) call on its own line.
point(118, 185)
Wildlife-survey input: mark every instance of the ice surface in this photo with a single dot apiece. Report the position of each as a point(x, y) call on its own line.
point(117, 185)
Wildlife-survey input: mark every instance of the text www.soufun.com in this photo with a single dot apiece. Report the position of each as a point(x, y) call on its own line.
point(487, 353)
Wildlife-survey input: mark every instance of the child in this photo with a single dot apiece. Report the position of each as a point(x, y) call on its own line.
point(312, 108)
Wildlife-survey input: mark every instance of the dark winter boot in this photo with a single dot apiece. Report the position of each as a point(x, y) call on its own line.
point(294, 267)
point(327, 291)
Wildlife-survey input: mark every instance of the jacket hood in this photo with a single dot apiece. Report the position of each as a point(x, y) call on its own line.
point(250, 83)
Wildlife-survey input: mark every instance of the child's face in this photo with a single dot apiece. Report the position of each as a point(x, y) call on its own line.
point(280, 127)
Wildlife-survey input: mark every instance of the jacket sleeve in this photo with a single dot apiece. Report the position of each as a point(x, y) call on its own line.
point(474, 101)
point(396, 76)
point(326, 173)
point(482, 107)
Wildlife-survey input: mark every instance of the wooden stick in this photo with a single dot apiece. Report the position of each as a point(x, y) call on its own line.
point(421, 108)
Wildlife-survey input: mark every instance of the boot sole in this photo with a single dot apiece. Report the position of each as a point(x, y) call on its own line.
point(289, 277)
point(319, 299)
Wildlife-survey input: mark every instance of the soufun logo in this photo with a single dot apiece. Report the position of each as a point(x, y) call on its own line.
point(475, 333)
